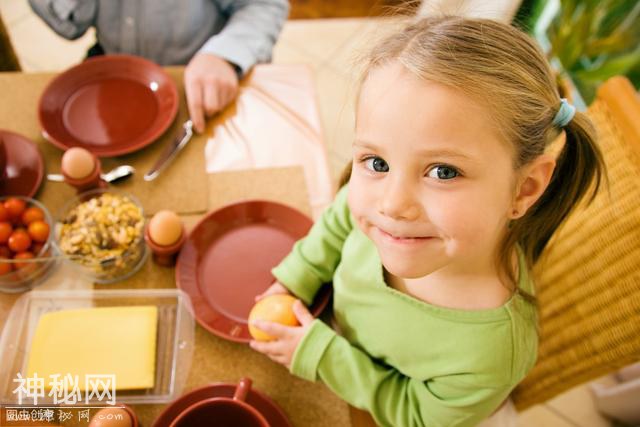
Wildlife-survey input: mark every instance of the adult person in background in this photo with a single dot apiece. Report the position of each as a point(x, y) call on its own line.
point(218, 40)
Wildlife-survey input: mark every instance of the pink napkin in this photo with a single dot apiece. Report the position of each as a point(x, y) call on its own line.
point(274, 123)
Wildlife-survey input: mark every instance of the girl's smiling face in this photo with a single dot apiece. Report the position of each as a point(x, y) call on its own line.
point(432, 182)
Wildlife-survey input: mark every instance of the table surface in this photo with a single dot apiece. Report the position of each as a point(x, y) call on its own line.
point(214, 359)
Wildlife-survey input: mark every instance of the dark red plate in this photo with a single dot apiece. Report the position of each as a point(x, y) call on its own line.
point(23, 166)
point(110, 105)
point(274, 415)
point(227, 261)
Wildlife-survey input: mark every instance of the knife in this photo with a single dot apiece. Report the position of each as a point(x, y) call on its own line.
point(171, 150)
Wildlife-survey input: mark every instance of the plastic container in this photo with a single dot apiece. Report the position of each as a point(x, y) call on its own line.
point(35, 272)
point(102, 266)
point(174, 345)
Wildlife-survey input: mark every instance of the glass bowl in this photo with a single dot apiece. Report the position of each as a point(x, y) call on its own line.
point(30, 273)
point(101, 232)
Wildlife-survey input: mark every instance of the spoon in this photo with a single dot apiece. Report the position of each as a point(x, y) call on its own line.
point(114, 174)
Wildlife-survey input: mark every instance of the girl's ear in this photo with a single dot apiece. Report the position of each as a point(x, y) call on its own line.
point(533, 180)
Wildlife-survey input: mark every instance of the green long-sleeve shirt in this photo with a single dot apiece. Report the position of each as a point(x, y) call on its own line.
point(407, 362)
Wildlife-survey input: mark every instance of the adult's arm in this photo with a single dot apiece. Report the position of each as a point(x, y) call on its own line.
point(69, 18)
point(250, 33)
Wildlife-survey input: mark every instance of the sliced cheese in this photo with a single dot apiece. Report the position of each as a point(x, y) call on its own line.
point(118, 341)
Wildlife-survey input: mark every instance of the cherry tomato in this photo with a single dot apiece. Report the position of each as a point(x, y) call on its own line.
point(23, 255)
point(15, 207)
point(5, 231)
point(5, 252)
point(19, 241)
point(5, 267)
point(39, 231)
point(36, 248)
point(32, 214)
point(4, 213)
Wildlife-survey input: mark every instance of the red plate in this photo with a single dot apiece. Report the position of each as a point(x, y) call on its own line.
point(110, 105)
point(273, 414)
point(23, 167)
point(227, 261)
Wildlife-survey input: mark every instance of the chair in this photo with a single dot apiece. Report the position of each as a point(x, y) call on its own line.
point(588, 279)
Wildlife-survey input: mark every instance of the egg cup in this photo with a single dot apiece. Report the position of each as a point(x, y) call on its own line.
point(89, 182)
point(165, 255)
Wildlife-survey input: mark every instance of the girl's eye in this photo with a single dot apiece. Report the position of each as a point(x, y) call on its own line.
point(443, 172)
point(376, 164)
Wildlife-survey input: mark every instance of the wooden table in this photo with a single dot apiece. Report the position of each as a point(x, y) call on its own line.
point(215, 359)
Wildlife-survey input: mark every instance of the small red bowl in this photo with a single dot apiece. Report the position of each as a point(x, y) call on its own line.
point(23, 168)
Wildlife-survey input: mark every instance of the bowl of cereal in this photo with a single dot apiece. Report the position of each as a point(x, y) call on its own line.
point(26, 248)
point(102, 233)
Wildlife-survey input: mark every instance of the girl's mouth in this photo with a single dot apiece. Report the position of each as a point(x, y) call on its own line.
point(403, 239)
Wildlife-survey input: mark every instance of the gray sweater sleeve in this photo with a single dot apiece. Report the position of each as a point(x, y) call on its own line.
point(250, 33)
point(68, 18)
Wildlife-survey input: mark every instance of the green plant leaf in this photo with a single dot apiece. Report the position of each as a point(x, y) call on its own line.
point(619, 65)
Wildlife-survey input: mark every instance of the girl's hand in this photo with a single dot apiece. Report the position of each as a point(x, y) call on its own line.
point(287, 338)
point(276, 288)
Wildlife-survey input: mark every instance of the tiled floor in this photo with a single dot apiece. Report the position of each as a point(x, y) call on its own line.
point(330, 47)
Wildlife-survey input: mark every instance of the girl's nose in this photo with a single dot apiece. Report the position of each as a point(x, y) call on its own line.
point(399, 202)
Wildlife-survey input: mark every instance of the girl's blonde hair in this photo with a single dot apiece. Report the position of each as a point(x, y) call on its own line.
point(504, 69)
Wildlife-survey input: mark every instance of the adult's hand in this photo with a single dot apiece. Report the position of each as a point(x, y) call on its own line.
point(210, 83)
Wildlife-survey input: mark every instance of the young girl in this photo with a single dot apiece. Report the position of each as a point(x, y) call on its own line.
point(451, 199)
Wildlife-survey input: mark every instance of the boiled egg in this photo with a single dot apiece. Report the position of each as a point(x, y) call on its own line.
point(111, 417)
point(78, 163)
point(165, 228)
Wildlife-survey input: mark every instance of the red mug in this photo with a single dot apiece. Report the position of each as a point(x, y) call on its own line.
point(222, 411)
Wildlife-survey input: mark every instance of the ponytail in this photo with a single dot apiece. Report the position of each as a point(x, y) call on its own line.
point(580, 167)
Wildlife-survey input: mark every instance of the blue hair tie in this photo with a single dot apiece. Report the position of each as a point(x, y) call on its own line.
point(565, 113)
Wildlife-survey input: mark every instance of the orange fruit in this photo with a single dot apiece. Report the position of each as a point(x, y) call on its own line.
point(273, 308)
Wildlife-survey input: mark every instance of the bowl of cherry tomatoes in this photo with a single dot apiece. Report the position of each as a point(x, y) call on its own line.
point(26, 243)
